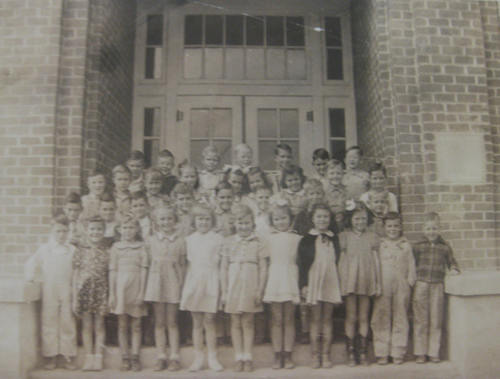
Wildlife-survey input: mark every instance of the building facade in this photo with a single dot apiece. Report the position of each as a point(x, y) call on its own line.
point(414, 83)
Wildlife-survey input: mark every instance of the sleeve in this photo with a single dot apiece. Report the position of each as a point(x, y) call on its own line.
point(364, 197)
point(393, 202)
point(113, 260)
point(32, 268)
point(451, 261)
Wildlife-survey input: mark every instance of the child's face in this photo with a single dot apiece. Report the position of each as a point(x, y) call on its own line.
point(60, 233)
point(335, 175)
point(431, 230)
point(293, 182)
point(314, 195)
point(352, 159)
point(72, 211)
point(244, 226)
point(392, 229)
point(262, 199)
point(188, 176)
point(135, 167)
point(153, 187)
point(210, 161)
point(336, 206)
point(377, 180)
point(183, 201)
point(236, 182)
point(359, 221)
point(165, 165)
point(283, 159)
point(166, 221)
point(321, 220)
point(129, 231)
point(320, 166)
point(281, 220)
point(225, 199)
point(96, 184)
point(139, 208)
point(95, 232)
point(254, 181)
point(121, 181)
point(203, 222)
point(107, 210)
point(244, 157)
point(378, 204)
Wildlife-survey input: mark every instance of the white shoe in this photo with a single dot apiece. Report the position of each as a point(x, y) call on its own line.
point(88, 364)
point(197, 365)
point(98, 362)
point(213, 363)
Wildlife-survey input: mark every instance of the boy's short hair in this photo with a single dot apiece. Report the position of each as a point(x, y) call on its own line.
point(282, 146)
point(377, 166)
point(60, 219)
point(292, 170)
point(242, 146)
point(153, 174)
point(354, 147)
point(120, 169)
point(334, 163)
point(165, 153)
point(432, 216)
point(73, 198)
point(107, 198)
point(202, 209)
point(223, 186)
point(384, 194)
point(93, 219)
point(138, 195)
point(257, 170)
point(312, 183)
point(321, 154)
point(392, 216)
point(164, 208)
point(210, 149)
point(241, 210)
point(182, 189)
point(136, 155)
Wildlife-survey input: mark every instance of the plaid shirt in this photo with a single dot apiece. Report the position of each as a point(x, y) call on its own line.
point(432, 259)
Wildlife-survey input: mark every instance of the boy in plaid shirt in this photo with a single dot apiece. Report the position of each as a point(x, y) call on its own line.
point(433, 256)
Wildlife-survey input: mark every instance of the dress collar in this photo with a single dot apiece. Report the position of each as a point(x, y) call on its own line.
point(316, 232)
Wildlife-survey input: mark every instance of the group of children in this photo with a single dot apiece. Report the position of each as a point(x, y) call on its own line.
point(230, 240)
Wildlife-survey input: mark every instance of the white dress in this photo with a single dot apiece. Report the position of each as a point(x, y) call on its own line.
point(283, 278)
point(201, 287)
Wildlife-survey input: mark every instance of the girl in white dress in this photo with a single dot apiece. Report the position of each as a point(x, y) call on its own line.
point(200, 294)
point(282, 288)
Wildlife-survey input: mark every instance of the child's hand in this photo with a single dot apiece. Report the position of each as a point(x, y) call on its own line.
point(258, 300)
point(453, 272)
point(304, 292)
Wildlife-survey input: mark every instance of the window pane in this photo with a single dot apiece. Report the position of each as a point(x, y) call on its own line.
point(267, 123)
point(154, 30)
point(274, 31)
point(337, 149)
point(152, 67)
point(193, 30)
point(200, 119)
point(151, 122)
point(196, 151)
point(222, 122)
point(289, 123)
point(295, 150)
point(295, 31)
point(337, 122)
point(333, 31)
point(255, 31)
point(151, 148)
point(234, 30)
point(266, 155)
point(213, 30)
point(334, 64)
point(224, 149)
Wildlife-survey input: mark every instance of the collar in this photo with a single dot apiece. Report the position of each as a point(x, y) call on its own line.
point(122, 245)
point(251, 237)
point(171, 238)
point(290, 192)
point(440, 240)
point(316, 232)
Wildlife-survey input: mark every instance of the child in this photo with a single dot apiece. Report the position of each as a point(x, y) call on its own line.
point(334, 187)
point(243, 277)
point(200, 294)
point(224, 218)
point(355, 179)
point(72, 209)
point(262, 216)
point(379, 206)
point(90, 291)
point(338, 209)
point(243, 156)
point(121, 182)
point(128, 266)
point(139, 208)
point(319, 282)
point(107, 211)
point(153, 183)
point(292, 180)
point(390, 310)
point(378, 178)
point(182, 197)
point(282, 288)
point(359, 278)
point(256, 178)
point(237, 179)
point(313, 194)
point(52, 265)
point(96, 183)
point(166, 163)
point(135, 164)
point(210, 176)
point(188, 175)
point(166, 275)
point(320, 159)
point(283, 159)
point(433, 256)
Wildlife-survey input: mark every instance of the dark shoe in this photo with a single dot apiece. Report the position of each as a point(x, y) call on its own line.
point(238, 367)
point(326, 362)
point(398, 360)
point(434, 359)
point(363, 349)
point(304, 339)
point(136, 363)
point(161, 364)
point(174, 365)
point(69, 364)
point(351, 357)
point(420, 359)
point(315, 361)
point(382, 361)
point(125, 364)
point(277, 361)
point(51, 364)
point(287, 360)
point(248, 366)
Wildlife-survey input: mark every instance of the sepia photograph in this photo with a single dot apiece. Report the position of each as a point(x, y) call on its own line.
point(249, 189)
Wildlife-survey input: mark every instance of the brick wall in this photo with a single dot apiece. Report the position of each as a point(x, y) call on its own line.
point(30, 34)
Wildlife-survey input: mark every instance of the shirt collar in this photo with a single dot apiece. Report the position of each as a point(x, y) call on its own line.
point(251, 237)
point(315, 232)
point(171, 238)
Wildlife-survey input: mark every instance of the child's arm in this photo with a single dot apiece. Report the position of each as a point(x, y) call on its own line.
point(144, 275)
point(112, 278)
point(75, 278)
point(33, 265)
point(224, 265)
point(412, 270)
point(181, 264)
point(378, 272)
point(263, 257)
